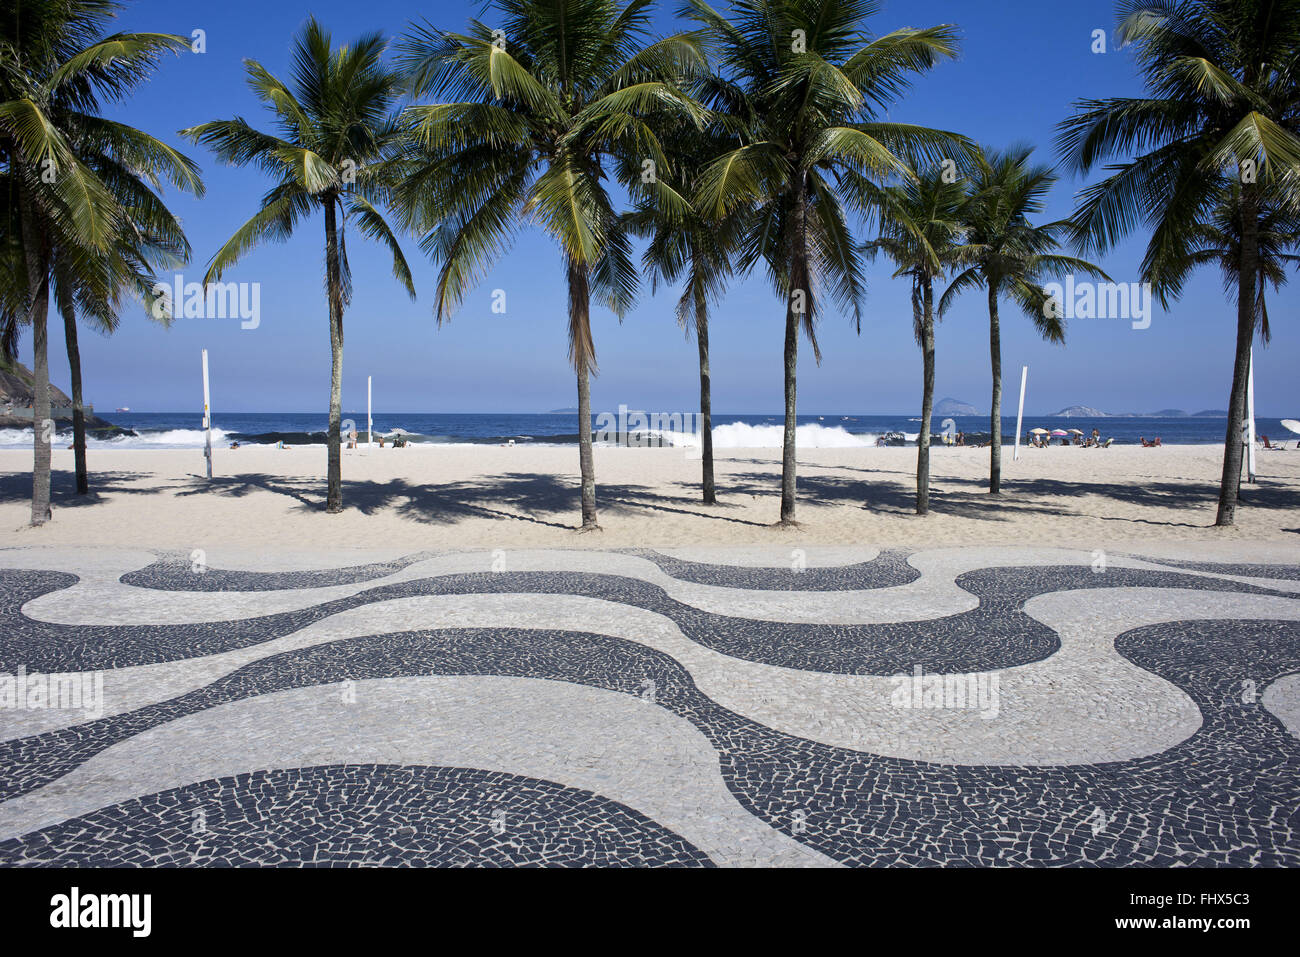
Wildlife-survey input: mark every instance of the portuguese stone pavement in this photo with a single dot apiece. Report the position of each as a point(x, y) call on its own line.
point(691, 707)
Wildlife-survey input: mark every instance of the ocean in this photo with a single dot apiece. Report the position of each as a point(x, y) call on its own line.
point(159, 430)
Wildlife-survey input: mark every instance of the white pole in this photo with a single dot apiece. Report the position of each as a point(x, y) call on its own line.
point(1020, 415)
point(1250, 418)
point(207, 416)
point(370, 422)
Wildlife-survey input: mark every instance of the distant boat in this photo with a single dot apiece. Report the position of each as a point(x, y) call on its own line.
point(125, 408)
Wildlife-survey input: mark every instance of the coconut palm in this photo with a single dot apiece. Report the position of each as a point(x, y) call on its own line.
point(697, 250)
point(922, 224)
point(1008, 256)
point(543, 107)
point(13, 275)
point(57, 67)
point(1218, 243)
point(1223, 81)
point(94, 289)
point(335, 126)
point(814, 85)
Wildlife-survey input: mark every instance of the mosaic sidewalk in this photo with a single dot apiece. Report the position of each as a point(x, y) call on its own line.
point(730, 707)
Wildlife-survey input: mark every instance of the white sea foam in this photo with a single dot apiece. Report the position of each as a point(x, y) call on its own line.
point(738, 435)
point(168, 439)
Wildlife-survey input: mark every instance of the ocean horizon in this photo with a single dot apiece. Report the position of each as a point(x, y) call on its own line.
point(159, 430)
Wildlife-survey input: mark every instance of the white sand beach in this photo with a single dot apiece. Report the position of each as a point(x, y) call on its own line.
point(488, 496)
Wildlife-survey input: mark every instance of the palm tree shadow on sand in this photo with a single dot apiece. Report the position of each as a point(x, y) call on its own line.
point(17, 487)
point(519, 496)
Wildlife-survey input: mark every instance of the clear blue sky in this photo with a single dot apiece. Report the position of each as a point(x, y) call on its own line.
point(1022, 63)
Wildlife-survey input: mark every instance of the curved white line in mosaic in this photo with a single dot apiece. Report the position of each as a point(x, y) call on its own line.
point(617, 746)
point(1083, 704)
point(934, 595)
point(1282, 700)
point(1275, 584)
point(773, 556)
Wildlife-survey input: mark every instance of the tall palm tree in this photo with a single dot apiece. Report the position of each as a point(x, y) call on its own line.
point(57, 67)
point(1223, 81)
point(335, 128)
point(815, 86)
point(1218, 242)
point(150, 241)
point(542, 110)
point(698, 250)
point(1008, 256)
point(13, 275)
point(922, 225)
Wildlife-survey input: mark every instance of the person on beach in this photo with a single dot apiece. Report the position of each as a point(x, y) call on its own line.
point(352, 438)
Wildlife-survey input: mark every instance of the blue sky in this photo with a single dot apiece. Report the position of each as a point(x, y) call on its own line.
point(1022, 64)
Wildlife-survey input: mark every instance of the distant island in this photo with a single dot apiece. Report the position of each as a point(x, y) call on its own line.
point(1085, 411)
point(1080, 412)
point(563, 412)
point(954, 407)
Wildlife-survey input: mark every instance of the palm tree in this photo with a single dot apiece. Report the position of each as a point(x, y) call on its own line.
point(543, 109)
point(1218, 243)
point(700, 249)
point(813, 86)
point(922, 224)
point(150, 241)
point(13, 276)
point(56, 66)
point(335, 127)
point(1008, 256)
point(1223, 80)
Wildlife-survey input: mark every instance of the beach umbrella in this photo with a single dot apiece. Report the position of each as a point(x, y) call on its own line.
point(1059, 432)
point(1076, 431)
point(1038, 431)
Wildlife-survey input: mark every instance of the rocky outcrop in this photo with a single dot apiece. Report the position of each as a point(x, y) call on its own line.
point(17, 394)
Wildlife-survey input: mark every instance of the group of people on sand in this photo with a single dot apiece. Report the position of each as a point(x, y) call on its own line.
point(399, 440)
point(1092, 441)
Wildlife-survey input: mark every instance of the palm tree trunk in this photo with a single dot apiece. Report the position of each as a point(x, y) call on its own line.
point(927, 400)
point(995, 414)
point(580, 350)
point(78, 413)
point(801, 292)
point(38, 307)
point(334, 279)
point(1247, 274)
point(706, 399)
